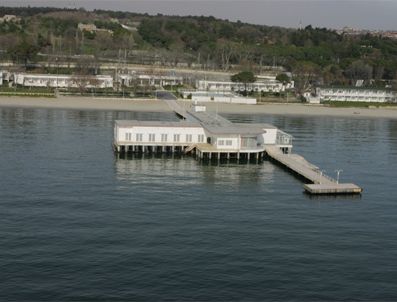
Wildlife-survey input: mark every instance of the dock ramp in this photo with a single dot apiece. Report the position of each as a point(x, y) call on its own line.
point(320, 183)
point(190, 148)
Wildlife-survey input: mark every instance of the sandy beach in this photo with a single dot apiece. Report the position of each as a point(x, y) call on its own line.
point(150, 105)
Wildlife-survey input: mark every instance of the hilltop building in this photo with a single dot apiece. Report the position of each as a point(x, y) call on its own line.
point(87, 27)
point(10, 18)
point(92, 28)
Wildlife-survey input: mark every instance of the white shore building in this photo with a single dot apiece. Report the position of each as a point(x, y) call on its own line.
point(217, 97)
point(204, 133)
point(62, 81)
point(131, 79)
point(357, 95)
point(268, 84)
point(159, 80)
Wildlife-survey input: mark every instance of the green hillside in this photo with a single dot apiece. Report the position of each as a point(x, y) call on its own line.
point(316, 53)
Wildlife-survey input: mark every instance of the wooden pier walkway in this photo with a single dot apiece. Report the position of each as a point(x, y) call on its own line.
point(320, 183)
point(179, 111)
point(170, 99)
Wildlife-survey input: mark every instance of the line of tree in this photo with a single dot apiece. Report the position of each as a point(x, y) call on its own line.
point(313, 54)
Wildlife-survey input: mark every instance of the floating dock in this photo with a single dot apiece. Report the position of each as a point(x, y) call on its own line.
point(320, 183)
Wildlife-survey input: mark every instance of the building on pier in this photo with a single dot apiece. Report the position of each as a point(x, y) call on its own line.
point(204, 134)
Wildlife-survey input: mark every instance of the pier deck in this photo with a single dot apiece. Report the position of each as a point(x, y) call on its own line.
point(170, 100)
point(321, 183)
point(180, 111)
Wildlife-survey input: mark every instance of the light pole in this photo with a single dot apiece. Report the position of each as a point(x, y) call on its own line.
point(56, 60)
point(321, 174)
point(338, 171)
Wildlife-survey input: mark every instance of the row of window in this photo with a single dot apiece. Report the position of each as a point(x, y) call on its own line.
point(226, 142)
point(164, 137)
point(354, 92)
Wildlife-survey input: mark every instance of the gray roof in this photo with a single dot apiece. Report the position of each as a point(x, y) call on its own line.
point(239, 129)
point(216, 124)
point(209, 118)
point(210, 121)
point(132, 123)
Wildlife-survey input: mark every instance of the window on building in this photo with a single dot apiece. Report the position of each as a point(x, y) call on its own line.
point(139, 137)
point(177, 137)
point(229, 142)
point(201, 138)
point(128, 136)
point(221, 142)
point(164, 137)
point(152, 137)
point(189, 138)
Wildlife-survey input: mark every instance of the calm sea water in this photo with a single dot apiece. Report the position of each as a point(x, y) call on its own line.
point(78, 224)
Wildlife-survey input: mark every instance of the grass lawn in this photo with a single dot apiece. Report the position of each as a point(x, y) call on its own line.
point(341, 104)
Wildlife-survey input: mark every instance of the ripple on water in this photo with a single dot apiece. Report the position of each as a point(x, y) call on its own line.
point(76, 223)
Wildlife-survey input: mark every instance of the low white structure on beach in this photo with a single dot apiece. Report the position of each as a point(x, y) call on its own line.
point(5, 77)
point(217, 97)
point(159, 80)
point(268, 84)
point(63, 81)
point(356, 95)
point(133, 78)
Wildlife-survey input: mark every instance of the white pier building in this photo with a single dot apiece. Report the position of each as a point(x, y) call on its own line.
point(204, 134)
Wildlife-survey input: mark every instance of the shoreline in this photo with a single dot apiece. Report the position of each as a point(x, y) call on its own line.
point(152, 105)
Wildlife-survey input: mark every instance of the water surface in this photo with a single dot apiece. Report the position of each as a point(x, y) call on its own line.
point(78, 224)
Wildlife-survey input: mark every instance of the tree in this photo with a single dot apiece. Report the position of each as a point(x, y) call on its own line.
point(225, 50)
point(283, 78)
point(24, 51)
point(87, 65)
point(244, 77)
point(305, 74)
point(359, 70)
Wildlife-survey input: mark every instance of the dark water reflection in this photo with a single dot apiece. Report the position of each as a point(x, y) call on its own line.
point(77, 223)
